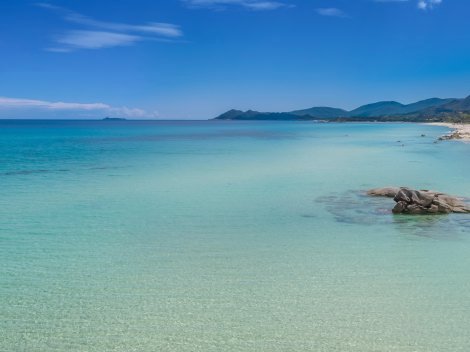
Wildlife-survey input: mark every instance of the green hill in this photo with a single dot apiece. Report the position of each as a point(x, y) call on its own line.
point(322, 112)
point(434, 109)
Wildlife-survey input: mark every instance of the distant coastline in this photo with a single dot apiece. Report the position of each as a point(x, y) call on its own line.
point(451, 110)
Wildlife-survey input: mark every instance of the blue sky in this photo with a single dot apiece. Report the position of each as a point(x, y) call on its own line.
point(198, 58)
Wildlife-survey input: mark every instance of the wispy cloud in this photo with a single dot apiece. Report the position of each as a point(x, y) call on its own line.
point(428, 4)
point(332, 12)
point(32, 108)
point(260, 5)
point(94, 40)
point(422, 4)
point(95, 34)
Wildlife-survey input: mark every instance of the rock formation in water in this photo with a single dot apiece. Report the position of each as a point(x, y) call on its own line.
point(454, 135)
point(421, 202)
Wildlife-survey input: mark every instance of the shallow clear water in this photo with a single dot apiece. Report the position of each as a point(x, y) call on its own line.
point(228, 236)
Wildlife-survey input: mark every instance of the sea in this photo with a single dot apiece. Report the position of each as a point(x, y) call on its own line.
point(229, 236)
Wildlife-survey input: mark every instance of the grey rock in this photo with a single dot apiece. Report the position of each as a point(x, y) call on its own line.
point(454, 135)
point(415, 202)
point(399, 207)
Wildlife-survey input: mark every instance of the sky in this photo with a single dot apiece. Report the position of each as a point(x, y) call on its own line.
point(195, 59)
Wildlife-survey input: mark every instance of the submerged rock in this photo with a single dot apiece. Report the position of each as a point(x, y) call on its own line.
point(354, 207)
point(421, 202)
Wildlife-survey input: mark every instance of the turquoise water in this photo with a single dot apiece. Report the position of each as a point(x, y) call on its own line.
point(228, 236)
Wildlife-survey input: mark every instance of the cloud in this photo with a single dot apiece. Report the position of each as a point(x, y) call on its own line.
point(96, 34)
point(428, 4)
point(153, 28)
point(422, 4)
point(41, 108)
point(260, 5)
point(93, 40)
point(332, 12)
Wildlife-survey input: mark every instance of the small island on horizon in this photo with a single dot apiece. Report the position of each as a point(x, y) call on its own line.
point(107, 118)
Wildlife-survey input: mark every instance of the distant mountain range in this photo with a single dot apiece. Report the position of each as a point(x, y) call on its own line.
point(429, 110)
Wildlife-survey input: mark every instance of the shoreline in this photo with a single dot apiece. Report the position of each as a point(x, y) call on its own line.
point(458, 131)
